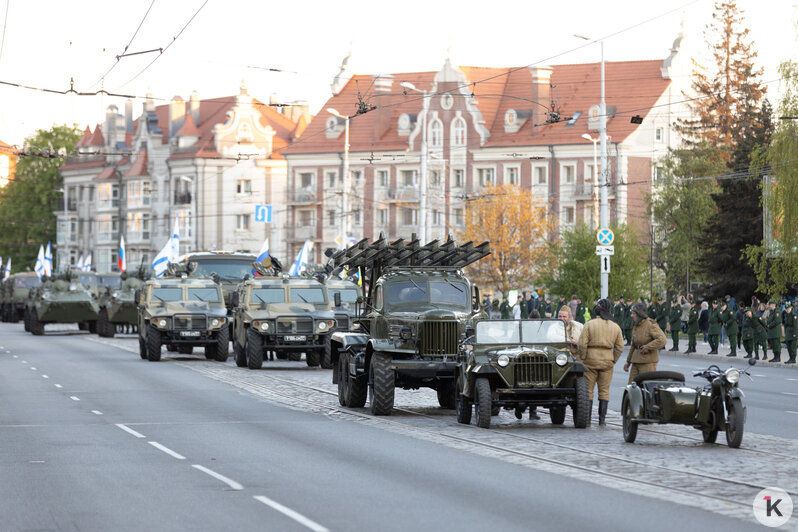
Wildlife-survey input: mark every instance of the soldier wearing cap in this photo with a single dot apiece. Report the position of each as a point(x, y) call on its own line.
point(714, 327)
point(729, 321)
point(692, 326)
point(675, 323)
point(647, 340)
point(747, 333)
point(773, 326)
point(580, 311)
point(790, 331)
point(760, 331)
point(601, 345)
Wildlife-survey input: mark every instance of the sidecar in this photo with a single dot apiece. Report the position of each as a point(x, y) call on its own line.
point(657, 397)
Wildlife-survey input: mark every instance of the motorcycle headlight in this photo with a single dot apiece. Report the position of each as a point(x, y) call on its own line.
point(503, 361)
point(732, 376)
point(561, 359)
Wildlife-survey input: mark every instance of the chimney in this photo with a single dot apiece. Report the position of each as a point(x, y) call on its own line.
point(129, 116)
point(541, 94)
point(177, 113)
point(111, 114)
point(194, 107)
point(382, 89)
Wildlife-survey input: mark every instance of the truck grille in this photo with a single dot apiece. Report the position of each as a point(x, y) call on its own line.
point(532, 370)
point(438, 338)
point(190, 321)
point(342, 322)
point(294, 325)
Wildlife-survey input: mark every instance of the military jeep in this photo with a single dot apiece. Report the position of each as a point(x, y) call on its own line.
point(230, 267)
point(183, 312)
point(15, 291)
point(520, 364)
point(415, 313)
point(344, 308)
point(283, 315)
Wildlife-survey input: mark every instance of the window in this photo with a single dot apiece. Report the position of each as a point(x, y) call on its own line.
point(435, 179)
point(242, 222)
point(459, 178)
point(331, 218)
point(138, 226)
point(107, 228)
point(305, 180)
point(590, 172)
point(307, 218)
point(244, 187)
point(107, 196)
point(458, 132)
point(72, 198)
point(540, 175)
point(458, 217)
point(486, 176)
point(511, 176)
point(436, 217)
point(382, 217)
point(658, 134)
point(659, 173)
point(409, 216)
point(331, 178)
point(356, 216)
point(138, 194)
point(568, 215)
point(73, 230)
point(357, 175)
point(382, 178)
point(568, 175)
point(182, 191)
point(409, 178)
point(436, 133)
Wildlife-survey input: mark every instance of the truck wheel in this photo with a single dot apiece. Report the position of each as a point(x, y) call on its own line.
point(313, 358)
point(222, 345)
point(326, 357)
point(83, 326)
point(446, 393)
point(629, 426)
point(581, 406)
point(27, 321)
point(557, 415)
point(294, 356)
point(142, 348)
point(254, 349)
point(240, 356)
point(93, 326)
point(352, 392)
point(104, 328)
point(36, 327)
point(482, 402)
point(462, 404)
point(734, 424)
point(281, 354)
point(382, 384)
point(153, 343)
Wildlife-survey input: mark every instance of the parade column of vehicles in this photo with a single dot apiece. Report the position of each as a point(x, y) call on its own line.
point(60, 299)
point(15, 292)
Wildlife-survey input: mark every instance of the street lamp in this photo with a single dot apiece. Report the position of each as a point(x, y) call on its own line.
point(587, 137)
point(422, 181)
point(345, 177)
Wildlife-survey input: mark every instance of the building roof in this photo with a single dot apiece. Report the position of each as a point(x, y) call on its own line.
point(97, 138)
point(139, 166)
point(86, 137)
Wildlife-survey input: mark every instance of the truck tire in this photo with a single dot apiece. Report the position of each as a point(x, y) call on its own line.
point(153, 343)
point(382, 384)
point(313, 357)
point(36, 327)
point(482, 402)
point(142, 348)
point(446, 393)
point(105, 328)
point(13, 315)
point(27, 321)
point(629, 426)
point(735, 419)
point(254, 349)
point(326, 357)
point(83, 326)
point(352, 392)
point(581, 406)
point(462, 404)
point(557, 414)
point(241, 357)
point(222, 346)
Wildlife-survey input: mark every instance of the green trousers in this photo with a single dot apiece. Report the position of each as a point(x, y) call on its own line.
point(675, 338)
point(775, 346)
point(691, 342)
point(713, 342)
point(748, 345)
point(791, 344)
point(733, 342)
point(763, 343)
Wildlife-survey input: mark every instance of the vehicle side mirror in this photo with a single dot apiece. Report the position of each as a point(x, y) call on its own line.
point(137, 297)
point(337, 299)
point(359, 300)
point(234, 299)
point(476, 303)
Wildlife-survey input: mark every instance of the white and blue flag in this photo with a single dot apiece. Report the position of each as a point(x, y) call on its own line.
point(264, 251)
point(87, 263)
point(48, 260)
point(8, 269)
point(39, 267)
point(301, 261)
point(79, 263)
point(169, 253)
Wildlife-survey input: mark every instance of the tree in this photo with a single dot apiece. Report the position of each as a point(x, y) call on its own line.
point(28, 202)
point(775, 261)
point(516, 228)
point(577, 270)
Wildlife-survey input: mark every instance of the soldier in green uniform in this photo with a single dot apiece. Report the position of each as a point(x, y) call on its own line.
point(580, 311)
point(523, 305)
point(747, 333)
point(560, 304)
point(675, 323)
point(505, 309)
point(729, 321)
point(760, 334)
point(773, 325)
point(617, 313)
point(653, 309)
point(692, 326)
point(628, 323)
point(790, 331)
point(714, 327)
point(662, 316)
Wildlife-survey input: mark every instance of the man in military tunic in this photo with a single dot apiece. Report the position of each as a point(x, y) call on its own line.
point(729, 321)
point(675, 323)
point(760, 330)
point(663, 311)
point(714, 328)
point(580, 311)
point(790, 331)
point(617, 312)
point(647, 339)
point(747, 333)
point(692, 326)
point(627, 324)
point(600, 345)
point(773, 325)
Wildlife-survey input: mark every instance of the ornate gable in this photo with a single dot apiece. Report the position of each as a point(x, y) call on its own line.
point(243, 133)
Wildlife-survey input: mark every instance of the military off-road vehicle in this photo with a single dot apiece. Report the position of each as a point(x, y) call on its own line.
point(184, 312)
point(230, 267)
point(281, 314)
point(416, 311)
point(60, 299)
point(15, 291)
point(520, 364)
point(117, 306)
point(344, 308)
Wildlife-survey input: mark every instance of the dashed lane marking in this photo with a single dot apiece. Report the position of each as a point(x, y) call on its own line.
point(24, 361)
point(791, 412)
point(130, 431)
point(790, 393)
point(230, 482)
point(96, 412)
point(32, 368)
point(299, 518)
point(74, 398)
point(15, 356)
point(58, 386)
point(45, 376)
point(167, 450)
point(789, 379)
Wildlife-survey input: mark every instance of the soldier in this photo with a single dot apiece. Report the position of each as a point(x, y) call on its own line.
point(662, 315)
point(747, 333)
point(790, 331)
point(560, 304)
point(601, 345)
point(773, 325)
point(729, 321)
point(522, 304)
point(647, 340)
point(714, 327)
point(760, 331)
point(580, 311)
point(617, 312)
point(653, 309)
point(505, 309)
point(675, 323)
point(692, 326)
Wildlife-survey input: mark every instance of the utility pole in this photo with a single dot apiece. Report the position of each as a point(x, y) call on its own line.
point(344, 178)
point(422, 181)
point(604, 214)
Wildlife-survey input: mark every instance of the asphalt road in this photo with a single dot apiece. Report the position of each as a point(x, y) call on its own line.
point(92, 438)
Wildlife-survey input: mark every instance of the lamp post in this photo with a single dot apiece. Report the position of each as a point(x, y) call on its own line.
point(344, 178)
point(422, 180)
point(587, 136)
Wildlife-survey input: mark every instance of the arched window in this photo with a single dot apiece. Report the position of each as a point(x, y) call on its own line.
point(436, 133)
point(458, 131)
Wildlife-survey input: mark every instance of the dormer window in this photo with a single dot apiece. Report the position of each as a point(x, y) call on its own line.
point(514, 119)
point(334, 127)
point(447, 101)
point(406, 124)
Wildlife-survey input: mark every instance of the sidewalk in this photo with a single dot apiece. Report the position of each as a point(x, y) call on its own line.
point(703, 348)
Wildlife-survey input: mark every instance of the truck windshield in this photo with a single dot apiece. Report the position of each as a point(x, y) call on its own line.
point(443, 293)
point(111, 281)
point(307, 295)
point(88, 281)
point(28, 282)
point(347, 295)
point(227, 269)
point(268, 295)
point(204, 294)
point(167, 294)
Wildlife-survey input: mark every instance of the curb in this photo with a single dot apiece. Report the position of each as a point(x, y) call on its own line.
point(721, 357)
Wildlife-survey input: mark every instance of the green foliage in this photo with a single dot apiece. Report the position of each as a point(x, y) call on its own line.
point(578, 266)
point(27, 203)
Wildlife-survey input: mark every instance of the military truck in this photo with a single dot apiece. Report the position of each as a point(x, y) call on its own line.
point(281, 314)
point(15, 291)
point(182, 311)
point(230, 267)
point(117, 306)
point(520, 364)
point(417, 308)
point(60, 299)
point(344, 307)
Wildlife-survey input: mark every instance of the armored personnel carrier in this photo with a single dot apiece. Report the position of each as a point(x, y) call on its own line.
point(15, 292)
point(61, 299)
point(117, 306)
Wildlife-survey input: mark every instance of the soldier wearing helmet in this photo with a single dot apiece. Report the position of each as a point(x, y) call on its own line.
point(647, 340)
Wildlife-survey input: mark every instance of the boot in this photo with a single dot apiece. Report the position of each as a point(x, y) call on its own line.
point(776, 358)
point(749, 355)
point(791, 361)
point(733, 351)
point(589, 413)
point(602, 408)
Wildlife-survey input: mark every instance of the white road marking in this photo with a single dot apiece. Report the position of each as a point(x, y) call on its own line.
point(299, 518)
point(792, 379)
point(230, 482)
point(58, 386)
point(130, 431)
point(759, 375)
point(167, 450)
point(15, 356)
point(74, 398)
point(32, 368)
point(791, 412)
point(45, 376)
point(97, 412)
point(790, 393)
point(24, 361)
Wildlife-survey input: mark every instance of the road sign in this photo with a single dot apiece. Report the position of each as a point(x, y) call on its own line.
point(605, 236)
point(263, 213)
point(605, 264)
point(605, 250)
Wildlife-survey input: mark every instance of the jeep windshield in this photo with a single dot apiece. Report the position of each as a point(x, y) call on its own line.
point(207, 295)
point(28, 282)
point(167, 294)
point(268, 295)
point(520, 332)
point(226, 269)
point(88, 281)
point(435, 293)
point(111, 281)
point(307, 295)
point(347, 295)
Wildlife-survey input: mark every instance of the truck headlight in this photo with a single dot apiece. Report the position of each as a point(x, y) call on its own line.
point(161, 323)
point(322, 325)
point(405, 333)
point(261, 325)
point(217, 322)
point(503, 361)
point(732, 376)
point(561, 359)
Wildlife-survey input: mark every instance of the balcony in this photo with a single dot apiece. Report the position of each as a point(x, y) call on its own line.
point(303, 195)
point(304, 232)
point(404, 194)
point(138, 236)
point(108, 204)
point(182, 198)
point(107, 237)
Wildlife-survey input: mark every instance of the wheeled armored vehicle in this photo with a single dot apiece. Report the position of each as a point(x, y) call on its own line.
point(344, 307)
point(15, 292)
point(118, 309)
point(230, 267)
point(520, 364)
point(60, 299)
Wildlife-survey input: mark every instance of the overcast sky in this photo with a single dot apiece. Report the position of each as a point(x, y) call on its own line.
point(47, 43)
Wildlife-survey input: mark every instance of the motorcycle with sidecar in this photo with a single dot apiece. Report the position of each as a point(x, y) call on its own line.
point(662, 397)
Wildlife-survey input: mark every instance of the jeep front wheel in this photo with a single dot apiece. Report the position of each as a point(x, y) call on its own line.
point(241, 357)
point(462, 404)
point(36, 327)
point(153, 343)
point(254, 349)
point(326, 357)
point(581, 406)
point(142, 348)
point(382, 384)
point(313, 358)
point(557, 414)
point(446, 393)
point(220, 349)
point(482, 402)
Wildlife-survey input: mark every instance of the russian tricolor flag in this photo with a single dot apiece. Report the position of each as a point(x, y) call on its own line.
point(121, 260)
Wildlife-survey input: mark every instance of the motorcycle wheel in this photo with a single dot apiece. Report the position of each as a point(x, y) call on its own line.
point(734, 424)
point(629, 426)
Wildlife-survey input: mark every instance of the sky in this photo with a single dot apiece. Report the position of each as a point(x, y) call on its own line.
point(46, 44)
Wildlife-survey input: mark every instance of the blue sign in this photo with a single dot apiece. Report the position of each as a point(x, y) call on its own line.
point(605, 236)
point(263, 213)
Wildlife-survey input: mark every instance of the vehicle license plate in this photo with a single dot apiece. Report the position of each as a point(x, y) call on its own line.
point(189, 333)
point(295, 338)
